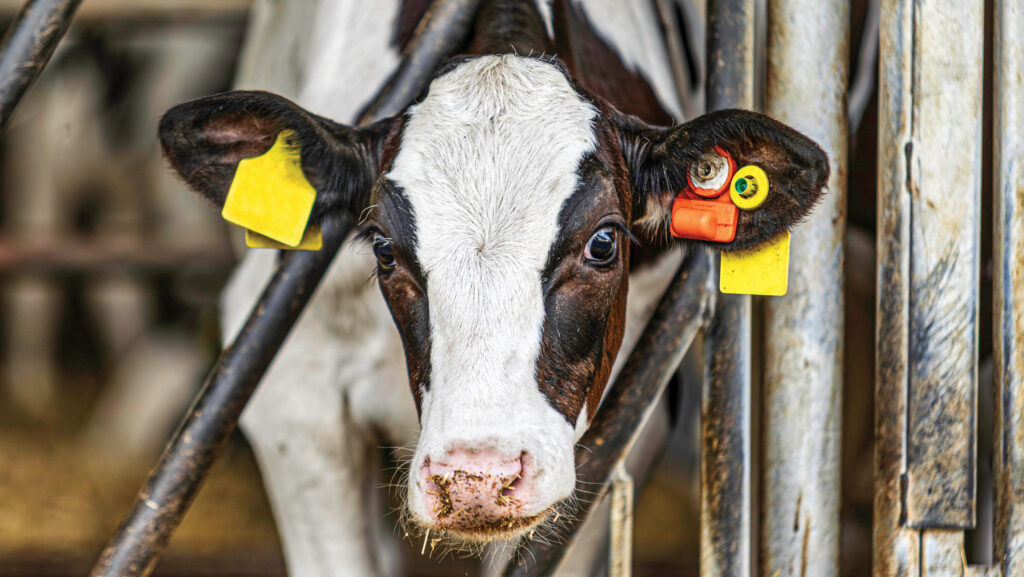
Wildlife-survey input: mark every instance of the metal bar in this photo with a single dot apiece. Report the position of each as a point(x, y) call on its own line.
point(620, 562)
point(725, 499)
point(1009, 287)
point(808, 45)
point(896, 549)
point(28, 46)
point(627, 406)
point(944, 274)
point(929, 196)
point(204, 434)
point(205, 431)
point(415, 70)
point(942, 553)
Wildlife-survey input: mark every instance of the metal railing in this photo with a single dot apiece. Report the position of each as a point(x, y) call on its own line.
point(928, 262)
point(928, 230)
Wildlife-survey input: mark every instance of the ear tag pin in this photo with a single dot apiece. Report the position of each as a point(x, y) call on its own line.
point(703, 211)
point(763, 270)
point(271, 197)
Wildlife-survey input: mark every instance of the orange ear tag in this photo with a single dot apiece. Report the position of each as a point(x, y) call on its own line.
point(271, 196)
point(703, 211)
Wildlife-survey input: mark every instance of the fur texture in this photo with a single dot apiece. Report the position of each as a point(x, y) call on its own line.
point(483, 235)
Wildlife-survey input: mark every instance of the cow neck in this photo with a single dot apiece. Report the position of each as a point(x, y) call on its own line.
point(510, 26)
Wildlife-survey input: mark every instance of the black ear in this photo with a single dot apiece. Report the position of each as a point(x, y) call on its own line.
point(205, 139)
point(659, 159)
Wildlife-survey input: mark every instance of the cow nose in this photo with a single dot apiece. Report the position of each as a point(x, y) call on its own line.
point(470, 490)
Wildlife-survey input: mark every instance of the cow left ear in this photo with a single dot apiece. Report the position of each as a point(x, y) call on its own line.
point(659, 159)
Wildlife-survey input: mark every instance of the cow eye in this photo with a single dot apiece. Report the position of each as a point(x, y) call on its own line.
point(385, 255)
point(602, 248)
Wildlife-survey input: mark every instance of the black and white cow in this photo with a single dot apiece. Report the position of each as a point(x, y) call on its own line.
point(508, 212)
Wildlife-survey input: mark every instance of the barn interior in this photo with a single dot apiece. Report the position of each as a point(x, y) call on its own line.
point(109, 280)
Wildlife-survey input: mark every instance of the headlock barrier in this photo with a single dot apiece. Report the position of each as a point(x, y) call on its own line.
point(929, 182)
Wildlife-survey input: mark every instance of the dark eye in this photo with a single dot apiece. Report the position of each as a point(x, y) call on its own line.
point(602, 247)
point(385, 255)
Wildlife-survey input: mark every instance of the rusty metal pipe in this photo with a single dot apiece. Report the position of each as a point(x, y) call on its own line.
point(808, 45)
point(1009, 287)
point(28, 46)
point(206, 429)
point(896, 549)
point(725, 495)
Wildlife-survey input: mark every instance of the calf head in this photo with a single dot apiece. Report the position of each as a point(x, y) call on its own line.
point(499, 208)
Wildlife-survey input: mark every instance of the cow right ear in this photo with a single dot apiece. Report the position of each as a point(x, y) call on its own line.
point(659, 161)
point(205, 139)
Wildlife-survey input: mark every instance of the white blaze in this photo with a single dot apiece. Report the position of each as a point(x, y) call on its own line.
point(487, 160)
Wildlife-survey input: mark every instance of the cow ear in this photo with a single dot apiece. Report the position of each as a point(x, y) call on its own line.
point(658, 160)
point(205, 139)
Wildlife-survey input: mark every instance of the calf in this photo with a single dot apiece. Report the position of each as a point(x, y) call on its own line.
point(505, 210)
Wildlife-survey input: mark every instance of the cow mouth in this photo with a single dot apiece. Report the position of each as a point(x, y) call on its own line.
point(466, 533)
point(491, 530)
point(473, 520)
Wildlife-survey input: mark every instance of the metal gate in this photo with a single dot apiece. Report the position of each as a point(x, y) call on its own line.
point(930, 169)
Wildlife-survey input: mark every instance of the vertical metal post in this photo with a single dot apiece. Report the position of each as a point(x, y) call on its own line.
point(725, 405)
point(895, 547)
point(808, 50)
point(1009, 287)
point(929, 196)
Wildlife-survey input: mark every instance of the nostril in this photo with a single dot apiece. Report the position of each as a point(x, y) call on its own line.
point(516, 480)
point(509, 490)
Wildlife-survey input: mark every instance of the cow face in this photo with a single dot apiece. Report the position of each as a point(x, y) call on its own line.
point(499, 208)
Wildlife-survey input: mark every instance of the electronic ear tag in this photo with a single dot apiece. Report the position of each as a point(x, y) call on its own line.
point(703, 211)
point(270, 194)
point(749, 187)
point(763, 270)
point(311, 240)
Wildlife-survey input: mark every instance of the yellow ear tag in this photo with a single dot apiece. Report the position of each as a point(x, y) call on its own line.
point(749, 187)
point(311, 240)
point(761, 271)
point(270, 194)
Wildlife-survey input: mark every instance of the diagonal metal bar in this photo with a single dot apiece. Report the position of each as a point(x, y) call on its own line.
point(205, 432)
point(627, 406)
point(28, 46)
point(203, 435)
